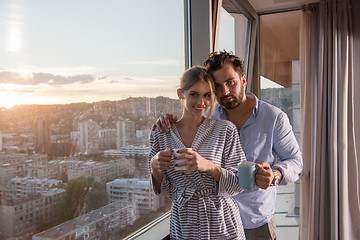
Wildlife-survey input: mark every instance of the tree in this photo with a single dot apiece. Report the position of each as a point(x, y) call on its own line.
point(79, 194)
point(64, 176)
point(96, 198)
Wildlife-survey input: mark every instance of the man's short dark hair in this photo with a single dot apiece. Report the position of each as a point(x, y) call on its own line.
point(217, 60)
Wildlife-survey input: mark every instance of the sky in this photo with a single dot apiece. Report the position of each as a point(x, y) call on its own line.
point(65, 51)
point(89, 50)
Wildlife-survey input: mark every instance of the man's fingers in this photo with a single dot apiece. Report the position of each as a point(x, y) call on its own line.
point(174, 119)
point(163, 124)
point(263, 177)
point(263, 171)
point(168, 125)
point(160, 125)
point(262, 185)
point(264, 165)
point(168, 119)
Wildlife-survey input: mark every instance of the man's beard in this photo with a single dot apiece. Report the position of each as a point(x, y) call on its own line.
point(236, 100)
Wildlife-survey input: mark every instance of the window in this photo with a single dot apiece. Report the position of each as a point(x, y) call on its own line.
point(226, 34)
point(80, 85)
point(237, 34)
point(279, 79)
point(233, 33)
point(279, 68)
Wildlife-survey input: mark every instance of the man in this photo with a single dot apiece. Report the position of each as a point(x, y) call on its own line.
point(266, 135)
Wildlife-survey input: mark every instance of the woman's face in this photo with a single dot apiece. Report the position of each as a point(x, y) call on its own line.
point(196, 99)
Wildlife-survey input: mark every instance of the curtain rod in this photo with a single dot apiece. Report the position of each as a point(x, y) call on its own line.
point(289, 9)
point(299, 7)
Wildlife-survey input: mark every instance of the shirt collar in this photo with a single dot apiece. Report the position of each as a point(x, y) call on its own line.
point(251, 95)
point(251, 119)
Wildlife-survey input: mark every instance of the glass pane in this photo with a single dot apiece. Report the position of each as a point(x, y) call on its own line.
point(279, 64)
point(233, 35)
point(226, 33)
point(81, 83)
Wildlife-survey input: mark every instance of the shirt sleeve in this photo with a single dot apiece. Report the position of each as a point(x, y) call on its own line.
point(154, 149)
point(287, 149)
point(232, 155)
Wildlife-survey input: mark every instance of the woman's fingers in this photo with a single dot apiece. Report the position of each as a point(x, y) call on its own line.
point(164, 159)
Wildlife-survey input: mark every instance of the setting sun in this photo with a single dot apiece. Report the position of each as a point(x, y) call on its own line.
point(9, 99)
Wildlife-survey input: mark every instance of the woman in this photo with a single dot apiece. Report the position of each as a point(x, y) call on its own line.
point(201, 195)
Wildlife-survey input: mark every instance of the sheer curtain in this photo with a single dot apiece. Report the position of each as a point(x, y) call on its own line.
point(330, 179)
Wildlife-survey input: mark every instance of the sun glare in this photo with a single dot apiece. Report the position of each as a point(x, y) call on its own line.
point(10, 99)
point(14, 28)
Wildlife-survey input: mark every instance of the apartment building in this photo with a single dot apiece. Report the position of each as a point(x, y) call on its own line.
point(131, 150)
point(15, 164)
point(44, 171)
point(135, 190)
point(100, 171)
point(7, 171)
point(18, 188)
point(107, 138)
point(125, 133)
point(103, 223)
point(89, 137)
point(143, 137)
point(21, 158)
point(27, 216)
point(65, 165)
point(42, 135)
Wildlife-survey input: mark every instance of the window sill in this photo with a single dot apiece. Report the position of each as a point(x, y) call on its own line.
point(157, 229)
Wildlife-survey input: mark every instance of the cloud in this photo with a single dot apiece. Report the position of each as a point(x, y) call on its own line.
point(39, 78)
point(19, 91)
point(165, 62)
point(136, 80)
point(103, 77)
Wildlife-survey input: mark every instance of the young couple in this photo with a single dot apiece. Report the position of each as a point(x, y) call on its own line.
point(207, 201)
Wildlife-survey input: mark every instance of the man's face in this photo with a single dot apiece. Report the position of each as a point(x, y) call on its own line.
point(229, 87)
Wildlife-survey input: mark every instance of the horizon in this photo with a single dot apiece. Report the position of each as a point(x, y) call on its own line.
point(40, 104)
point(89, 55)
point(269, 86)
point(102, 62)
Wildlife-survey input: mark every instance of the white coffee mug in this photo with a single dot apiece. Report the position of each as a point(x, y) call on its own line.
point(177, 161)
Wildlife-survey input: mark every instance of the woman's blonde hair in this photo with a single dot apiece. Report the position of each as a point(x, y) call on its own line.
point(198, 74)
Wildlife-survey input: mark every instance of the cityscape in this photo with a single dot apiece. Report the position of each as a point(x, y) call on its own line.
point(80, 170)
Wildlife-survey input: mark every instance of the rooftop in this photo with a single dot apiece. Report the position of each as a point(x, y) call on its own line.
point(82, 221)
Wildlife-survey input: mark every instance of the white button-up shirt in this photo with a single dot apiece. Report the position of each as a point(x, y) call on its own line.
point(266, 136)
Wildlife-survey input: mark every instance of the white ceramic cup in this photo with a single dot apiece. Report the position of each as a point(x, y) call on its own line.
point(177, 161)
